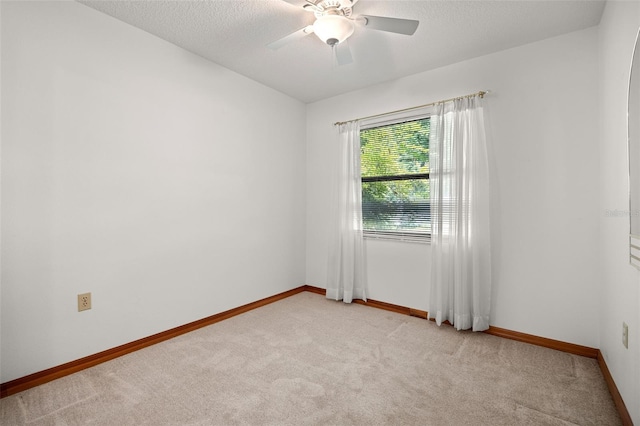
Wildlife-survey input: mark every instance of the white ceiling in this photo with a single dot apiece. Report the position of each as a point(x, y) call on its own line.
point(234, 34)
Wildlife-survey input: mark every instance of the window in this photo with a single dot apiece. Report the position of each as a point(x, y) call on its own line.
point(395, 180)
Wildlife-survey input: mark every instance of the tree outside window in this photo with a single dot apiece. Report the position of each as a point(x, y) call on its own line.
point(395, 178)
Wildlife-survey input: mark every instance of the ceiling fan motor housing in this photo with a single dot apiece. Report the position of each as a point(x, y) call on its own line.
point(332, 25)
point(333, 7)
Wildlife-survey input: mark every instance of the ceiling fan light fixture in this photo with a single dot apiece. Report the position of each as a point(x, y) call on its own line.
point(333, 29)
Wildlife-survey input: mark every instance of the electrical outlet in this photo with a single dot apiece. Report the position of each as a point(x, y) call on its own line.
point(84, 301)
point(625, 335)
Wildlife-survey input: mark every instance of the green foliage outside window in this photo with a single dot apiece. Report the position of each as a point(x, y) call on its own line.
point(395, 167)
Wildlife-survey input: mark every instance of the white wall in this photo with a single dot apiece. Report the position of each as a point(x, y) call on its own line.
point(543, 149)
point(620, 292)
point(132, 169)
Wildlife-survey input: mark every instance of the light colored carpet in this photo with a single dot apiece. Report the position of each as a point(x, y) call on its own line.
point(308, 360)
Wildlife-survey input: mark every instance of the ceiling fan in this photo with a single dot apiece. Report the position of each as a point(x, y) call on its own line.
point(335, 23)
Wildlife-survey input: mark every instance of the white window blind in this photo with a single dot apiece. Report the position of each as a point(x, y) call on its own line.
point(395, 179)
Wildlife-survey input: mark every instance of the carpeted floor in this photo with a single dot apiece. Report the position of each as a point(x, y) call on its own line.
point(308, 360)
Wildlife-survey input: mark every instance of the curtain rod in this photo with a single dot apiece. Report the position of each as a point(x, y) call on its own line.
point(480, 93)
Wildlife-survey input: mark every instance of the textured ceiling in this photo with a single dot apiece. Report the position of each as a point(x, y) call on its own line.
point(234, 34)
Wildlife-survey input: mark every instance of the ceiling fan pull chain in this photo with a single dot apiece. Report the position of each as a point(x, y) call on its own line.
point(334, 56)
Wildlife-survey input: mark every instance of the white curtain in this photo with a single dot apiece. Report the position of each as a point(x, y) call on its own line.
point(460, 238)
point(346, 278)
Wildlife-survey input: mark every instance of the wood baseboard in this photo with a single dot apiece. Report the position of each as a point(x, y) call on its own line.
point(373, 303)
point(543, 341)
point(615, 393)
point(317, 290)
point(41, 377)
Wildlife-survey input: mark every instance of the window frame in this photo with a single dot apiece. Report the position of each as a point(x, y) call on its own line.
point(388, 120)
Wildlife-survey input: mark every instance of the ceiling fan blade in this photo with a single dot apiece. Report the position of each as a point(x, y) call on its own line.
point(392, 25)
point(275, 45)
point(302, 3)
point(298, 3)
point(343, 53)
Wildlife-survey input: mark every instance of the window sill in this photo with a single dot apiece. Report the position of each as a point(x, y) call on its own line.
point(398, 236)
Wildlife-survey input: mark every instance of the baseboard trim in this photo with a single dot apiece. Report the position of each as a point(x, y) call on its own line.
point(615, 393)
point(543, 341)
point(372, 303)
point(317, 290)
point(41, 377)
